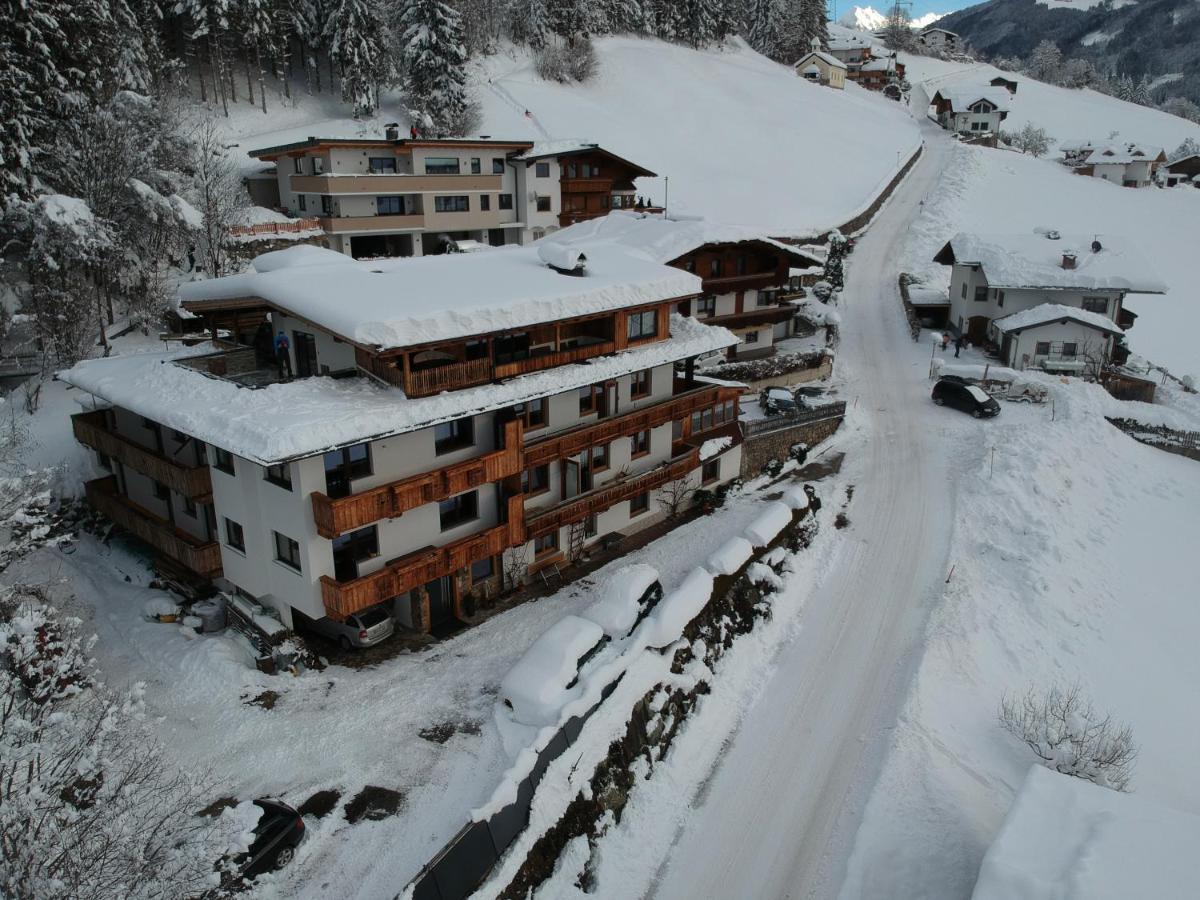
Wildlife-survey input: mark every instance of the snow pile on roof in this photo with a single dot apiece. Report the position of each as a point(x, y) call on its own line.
point(774, 518)
point(308, 416)
point(664, 239)
point(849, 41)
point(536, 687)
point(1054, 312)
point(1068, 839)
point(618, 606)
point(714, 446)
point(923, 296)
point(1034, 261)
point(1123, 154)
point(730, 556)
point(561, 257)
point(824, 57)
point(401, 302)
point(676, 610)
point(960, 99)
point(542, 149)
point(886, 64)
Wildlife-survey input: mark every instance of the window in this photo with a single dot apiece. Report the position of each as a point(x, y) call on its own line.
point(485, 202)
point(571, 171)
point(381, 165)
point(1096, 305)
point(536, 480)
point(639, 444)
point(451, 436)
point(604, 201)
point(476, 166)
point(318, 164)
point(224, 460)
point(343, 466)
point(588, 398)
point(639, 384)
point(639, 504)
point(477, 349)
point(981, 293)
point(351, 549)
point(533, 412)
point(741, 265)
point(600, 457)
point(452, 204)
point(714, 267)
point(750, 337)
point(591, 526)
point(506, 201)
point(189, 507)
point(1069, 349)
point(642, 325)
point(234, 536)
point(459, 510)
point(280, 475)
point(497, 166)
point(483, 569)
point(441, 165)
point(766, 298)
point(546, 543)
point(1042, 348)
point(389, 206)
point(1000, 298)
point(706, 306)
point(298, 165)
point(302, 202)
point(710, 471)
point(162, 492)
point(541, 170)
point(543, 203)
point(964, 290)
point(327, 204)
point(287, 551)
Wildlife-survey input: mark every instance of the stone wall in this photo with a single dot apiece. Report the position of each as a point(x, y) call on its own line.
point(760, 449)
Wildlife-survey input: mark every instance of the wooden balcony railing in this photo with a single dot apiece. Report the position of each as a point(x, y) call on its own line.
point(193, 482)
point(766, 315)
point(596, 501)
point(551, 360)
point(568, 443)
point(423, 382)
point(201, 557)
point(336, 517)
point(720, 284)
point(344, 598)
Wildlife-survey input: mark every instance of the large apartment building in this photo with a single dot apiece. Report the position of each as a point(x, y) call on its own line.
point(418, 197)
point(748, 280)
point(455, 424)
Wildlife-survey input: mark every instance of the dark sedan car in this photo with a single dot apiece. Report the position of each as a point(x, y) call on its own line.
point(966, 397)
point(276, 836)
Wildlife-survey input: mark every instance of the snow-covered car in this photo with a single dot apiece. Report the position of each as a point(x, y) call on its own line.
point(277, 834)
point(625, 598)
point(362, 629)
point(544, 680)
point(1026, 392)
point(966, 397)
point(776, 401)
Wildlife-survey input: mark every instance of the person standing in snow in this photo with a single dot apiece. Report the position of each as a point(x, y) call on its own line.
point(945, 340)
point(959, 342)
point(283, 357)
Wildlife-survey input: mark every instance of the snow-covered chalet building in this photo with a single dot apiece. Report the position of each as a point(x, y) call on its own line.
point(418, 197)
point(1129, 165)
point(749, 281)
point(1045, 300)
point(976, 112)
point(938, 39)
point(453, 424)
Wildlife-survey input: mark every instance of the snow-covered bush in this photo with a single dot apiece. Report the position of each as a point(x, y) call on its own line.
point(29, 515)
point(772, 467)
point(799, 452)
point(565, 64)
point(1067, 734)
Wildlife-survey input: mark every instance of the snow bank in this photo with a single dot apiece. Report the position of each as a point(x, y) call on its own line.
point(714, 446)
point(618, 607)
point(1068, 839)
point(240, 821)
point(763, 530)
point(730, 556)
point(536, 687)
point(666, 624)
point(795, 498)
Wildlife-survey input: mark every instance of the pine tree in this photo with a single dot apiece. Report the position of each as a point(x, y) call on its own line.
point(1045, 63)
point(1142, 93)
point(570, 19)
point(357, 46)
point(434, 56)
point(833, 261)
point(622, 17)
point(765, 27)
point(701, 22)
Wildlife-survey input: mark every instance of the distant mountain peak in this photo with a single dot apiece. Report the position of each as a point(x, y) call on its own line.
point(868, 18)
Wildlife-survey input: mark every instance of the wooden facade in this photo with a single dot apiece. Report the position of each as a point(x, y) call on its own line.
point(201, 557)
point(744, 266)
point(594, 182)
point(193, 482)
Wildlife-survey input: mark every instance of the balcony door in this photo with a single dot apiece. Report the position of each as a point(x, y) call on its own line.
point(306, 354)
point(441, 603)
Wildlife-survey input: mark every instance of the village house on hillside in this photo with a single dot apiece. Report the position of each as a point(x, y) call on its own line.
point(871, 68)
point(820, 67)
point(1129, 165)
point(977, 112)
point(748, 279)
point(439, 429)
point(1045, 300)
point(1184, 170)
point(1008, 84)
point(939, 39)
point(416, 197)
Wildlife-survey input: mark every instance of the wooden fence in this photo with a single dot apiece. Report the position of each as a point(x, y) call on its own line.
point(295, 226)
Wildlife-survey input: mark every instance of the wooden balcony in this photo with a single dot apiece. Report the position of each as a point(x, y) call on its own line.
point(568, 443)
point(399, 576)
point(193, 482)
point(371, 224)
point(336, 517)
point(201, 557)
point(723, 284)
point(596, 501)
point(551, 360)
point(766, 315)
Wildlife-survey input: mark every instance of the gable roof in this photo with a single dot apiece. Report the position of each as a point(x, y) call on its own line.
point(931, 28)
point(571, 147)
point(963, 98)
point(1183, 159)
point(1035, 261)
point(1118, 154)
point(1045, 313)
point(824, 57)
point(398, 144)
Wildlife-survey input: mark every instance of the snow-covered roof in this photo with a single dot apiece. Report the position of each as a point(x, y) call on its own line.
point(1077, 146)
point(417, 300)
point(824, 57)
point(933, 28)
point(1068, 839)
point(884, 64)
point(810, 69)
point(962, 98)
point(1181, 159)
point(1045, 313)
point(848, 42)
point(664, 239)
point(1034, 261)
point(572, 146)
point(1122, 154)
point(308, 416)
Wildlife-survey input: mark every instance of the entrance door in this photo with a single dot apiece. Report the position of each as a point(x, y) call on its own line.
point(496, 237)
point(441, 602)
point(977, 329)
point(306, 354)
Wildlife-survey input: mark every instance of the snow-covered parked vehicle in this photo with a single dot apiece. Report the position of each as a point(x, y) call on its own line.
point(776, 401)
point(546, 678)
point(625, 598)
point(1022, 391)
point(273, 832)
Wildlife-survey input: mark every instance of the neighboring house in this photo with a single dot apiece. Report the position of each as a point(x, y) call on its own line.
point(820, 67)
point(1046, 300)
point(1185, 170)
point(1129, 165)
point(852, 49)
point(877, 74)
point(939, 39)
point(453, 426)
point(417, 197)
point(1008, 84)
point(1074, 153)
point(748, 279)
point(976, 112)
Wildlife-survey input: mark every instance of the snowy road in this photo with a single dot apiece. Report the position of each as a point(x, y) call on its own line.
point(777, 818)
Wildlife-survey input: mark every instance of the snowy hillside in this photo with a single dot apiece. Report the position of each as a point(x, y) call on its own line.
point(868, 18)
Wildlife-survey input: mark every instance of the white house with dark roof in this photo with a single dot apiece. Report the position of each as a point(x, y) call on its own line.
point(1129, 165)
point(821, 67)
point(939, 39)
point(971, 111)
point(1044, 299)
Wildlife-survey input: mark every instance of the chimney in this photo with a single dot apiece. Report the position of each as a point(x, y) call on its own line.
point(1068, 261)
point(391, 131)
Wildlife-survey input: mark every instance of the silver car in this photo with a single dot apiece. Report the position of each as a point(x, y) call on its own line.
point(362, 629)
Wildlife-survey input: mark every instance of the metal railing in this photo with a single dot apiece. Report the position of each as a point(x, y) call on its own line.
point(754, 427)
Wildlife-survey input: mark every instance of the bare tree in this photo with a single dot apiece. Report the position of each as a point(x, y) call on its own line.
point(219, 195)
point(675, 495)
point(1067, 734)
point(515, 564)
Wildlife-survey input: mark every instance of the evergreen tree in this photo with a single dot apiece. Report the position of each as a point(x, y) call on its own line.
point(1045, 63)
point(623, 16)
point(530, 23)
point(765, 26)
point(357, 46)
point(569, 19)
point(434, 56)
point(1142, 93)
point(701, 22)
point(833, 262)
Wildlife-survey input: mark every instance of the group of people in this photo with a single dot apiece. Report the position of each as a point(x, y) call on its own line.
point(959, 343)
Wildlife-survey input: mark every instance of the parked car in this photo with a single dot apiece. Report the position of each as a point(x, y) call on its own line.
point(967, 397)
point(775, 401)
point(276, 836)
point(546, 678)
point(625, 598)
point(362, 629)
